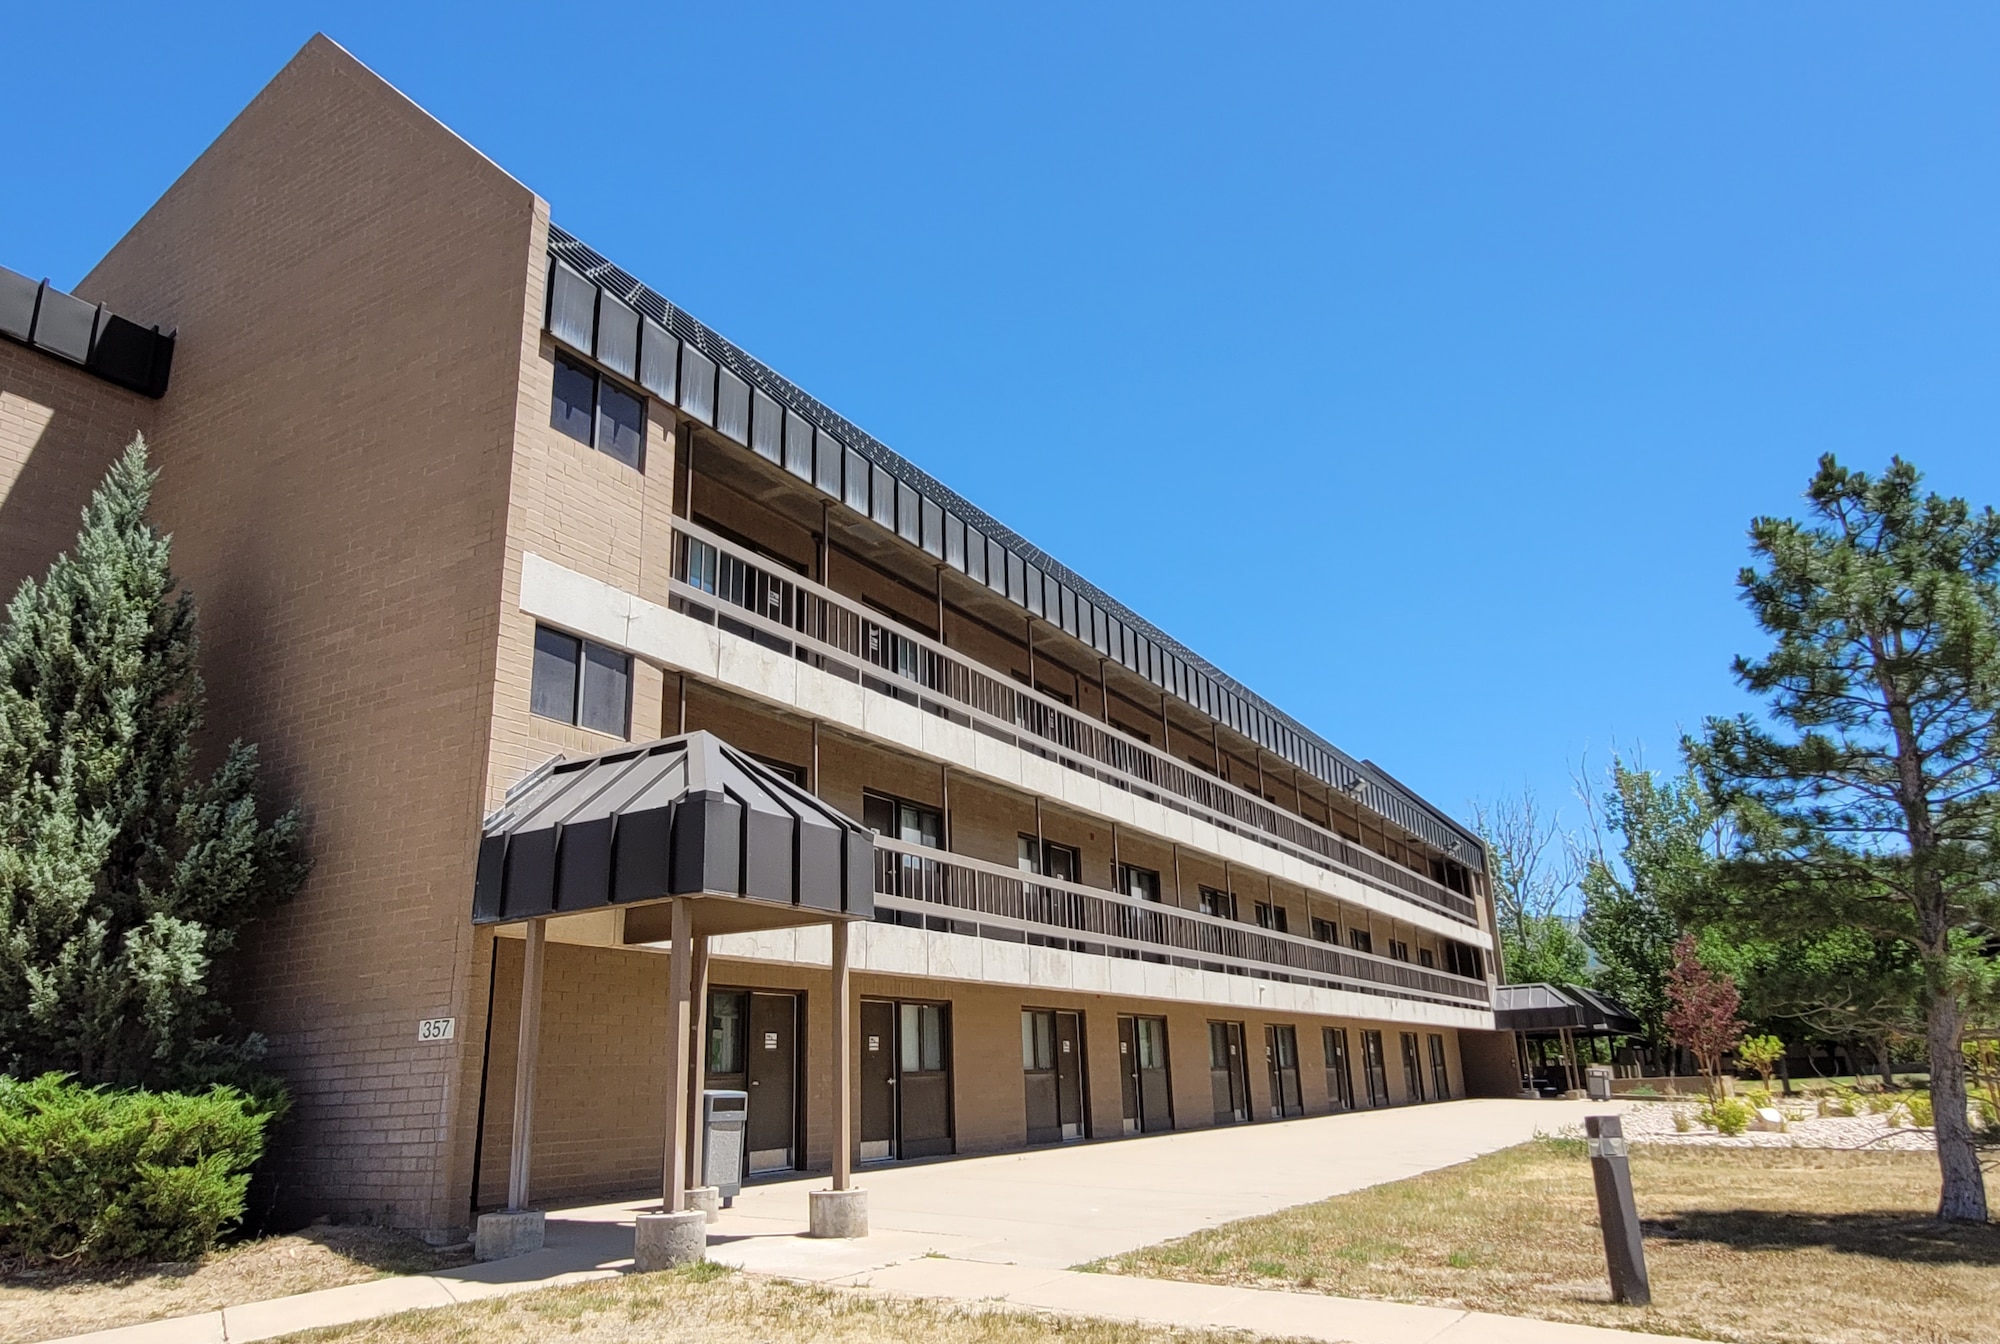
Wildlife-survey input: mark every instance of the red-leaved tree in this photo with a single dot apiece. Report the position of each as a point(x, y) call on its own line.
point(1701, 1011)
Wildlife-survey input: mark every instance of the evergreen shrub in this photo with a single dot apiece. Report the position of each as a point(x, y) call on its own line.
point(94, 1176)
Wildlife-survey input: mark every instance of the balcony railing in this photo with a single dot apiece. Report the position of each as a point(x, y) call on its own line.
point(962, 895)
point(794, 616)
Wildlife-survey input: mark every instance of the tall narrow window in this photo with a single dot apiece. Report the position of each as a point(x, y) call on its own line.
point(558, 658)
point(575, 402)
point(607, 690)
point(621, 425)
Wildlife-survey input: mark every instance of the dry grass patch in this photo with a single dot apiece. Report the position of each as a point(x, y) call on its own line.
point(47, 1304)
point(1767, 1246)
point(718, 1306)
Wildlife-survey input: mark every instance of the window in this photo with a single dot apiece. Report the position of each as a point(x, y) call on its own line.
point(1399, 949)
point(1058, 861)
point(1426, 957)
point(597, 412)
point(1221, 904)
point(1038, 1040)
point(795, 773)
point(576, 681)
point(725, 1032)
point(1361, 940)
point(1142, 883)
point(922, 1032)
point(1440, 1074)
point(1270, 916)
point(1462, 960)
point(899, 819)
point(1325, 930)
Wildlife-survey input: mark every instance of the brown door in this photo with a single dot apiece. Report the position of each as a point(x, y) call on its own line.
point(1339, 1080)
point(1128, 1073)
point(1226, 1072)
point(1374, 1069)
point(923, 1079)
point(878, 1080)
point(1069, 1077)
point(1039, 1077)
point(771, 1054)
point(1281, 1056)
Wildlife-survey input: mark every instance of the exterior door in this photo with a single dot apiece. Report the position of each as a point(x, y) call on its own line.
point(923, 1079)
point(1339, 1080)
point(878, 1080)
point(1374, 1069)
point(771, 1128)
point(1144, 1081)
point(1413, 1069)
point(1281, 1055)
point(1227, 1076)
point(1052, 1074)
point(1440, 1071)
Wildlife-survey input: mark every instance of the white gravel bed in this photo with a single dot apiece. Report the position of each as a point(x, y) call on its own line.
point(1653, 1122)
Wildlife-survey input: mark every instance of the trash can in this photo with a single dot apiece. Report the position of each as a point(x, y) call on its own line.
point(1597, 1082)
point(723, 1115)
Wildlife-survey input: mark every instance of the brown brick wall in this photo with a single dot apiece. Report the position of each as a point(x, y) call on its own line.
point(60, 430)
point(351, 285)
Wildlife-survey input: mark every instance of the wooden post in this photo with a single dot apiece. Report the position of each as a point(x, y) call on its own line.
point(526, 1051)
point(1617, 1212)
point(673, 1197)
point(698, 1061)
point(843, 1063)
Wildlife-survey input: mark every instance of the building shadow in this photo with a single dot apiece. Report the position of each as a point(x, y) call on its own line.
point(1898, 1235)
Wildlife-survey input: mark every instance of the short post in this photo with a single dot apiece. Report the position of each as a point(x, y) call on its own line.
point(1611, 1170)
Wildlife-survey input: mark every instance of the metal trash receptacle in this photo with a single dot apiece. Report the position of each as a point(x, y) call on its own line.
point(1597, 1082)
point(723, 1116)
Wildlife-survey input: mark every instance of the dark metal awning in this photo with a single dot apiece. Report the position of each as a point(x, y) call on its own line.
point(1545, 1007)
point(684, 816)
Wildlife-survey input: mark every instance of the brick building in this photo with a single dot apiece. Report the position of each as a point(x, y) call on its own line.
point(457, 496)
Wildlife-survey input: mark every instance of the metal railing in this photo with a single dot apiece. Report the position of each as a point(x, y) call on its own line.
point(970, 896)
point(792, 615)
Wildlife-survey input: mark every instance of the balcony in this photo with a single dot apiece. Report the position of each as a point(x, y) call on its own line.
point(718, 583)
point(951, 893)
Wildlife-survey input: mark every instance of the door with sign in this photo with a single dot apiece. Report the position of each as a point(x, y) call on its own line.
point(753, 1048)
point(1052, 1074)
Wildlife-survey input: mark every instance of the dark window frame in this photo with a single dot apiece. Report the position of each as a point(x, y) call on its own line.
point(580, 671)
point(599, 380)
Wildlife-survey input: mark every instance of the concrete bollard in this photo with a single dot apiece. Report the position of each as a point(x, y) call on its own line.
point(708, 1199)
point(837, 1213)
point(663, 1240)
point(500, 1236)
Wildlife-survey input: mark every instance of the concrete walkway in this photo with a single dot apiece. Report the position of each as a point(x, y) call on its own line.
point(1008, 1228)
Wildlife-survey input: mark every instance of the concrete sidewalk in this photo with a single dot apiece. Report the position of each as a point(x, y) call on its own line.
point(1008, 1228)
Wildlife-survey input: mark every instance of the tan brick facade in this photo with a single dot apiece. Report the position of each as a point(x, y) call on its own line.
point(356, 459)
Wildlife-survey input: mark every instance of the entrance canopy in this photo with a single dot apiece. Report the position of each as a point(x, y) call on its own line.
point(1552, 1008)
point(684, 816)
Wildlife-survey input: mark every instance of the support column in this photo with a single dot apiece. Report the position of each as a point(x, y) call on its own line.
point(697, 1073)
point(525, 1060)
point(519, 1230)
point(677, 1235)
point(843, 1210)
point(680, 985)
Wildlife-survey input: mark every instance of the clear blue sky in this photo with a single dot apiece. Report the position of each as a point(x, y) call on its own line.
point(1420, 366)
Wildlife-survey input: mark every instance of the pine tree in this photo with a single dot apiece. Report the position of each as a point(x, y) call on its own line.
point(124, 879)
point(1875, 805)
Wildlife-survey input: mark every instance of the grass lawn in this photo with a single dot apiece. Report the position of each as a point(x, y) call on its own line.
point(1763, 1245)
point(49, 1303)
point(709, 1303)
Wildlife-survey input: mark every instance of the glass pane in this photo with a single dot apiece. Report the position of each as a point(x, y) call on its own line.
point(1152, 1043)
point(553, 687)
point(725, 1033)
point(1045, 1040)
point(575, 400)
point(933, 1038)
point(621, 425)
point(910, 1048)
point(1218, 1046)
point(607, 680)
point(1028, 1040)
point(878, 814)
